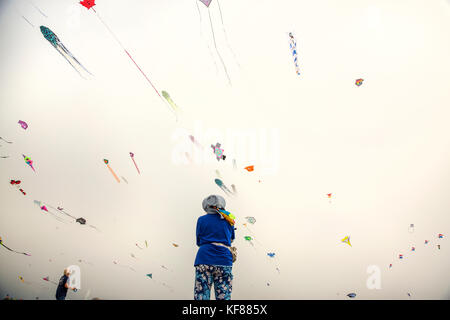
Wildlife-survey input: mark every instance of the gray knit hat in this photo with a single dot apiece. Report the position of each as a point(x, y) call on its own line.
point(213, 201)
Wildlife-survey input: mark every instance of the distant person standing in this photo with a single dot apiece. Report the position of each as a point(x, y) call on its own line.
point(214, 261)
point(63, 286)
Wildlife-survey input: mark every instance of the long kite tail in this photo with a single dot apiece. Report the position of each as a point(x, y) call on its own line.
point(62, 52)
point(217, 50)
point(201, 35)
point(67, 52)
point(225, 33)
point(121, 45)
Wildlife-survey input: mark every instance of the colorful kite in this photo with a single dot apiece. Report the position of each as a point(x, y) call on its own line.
point(346, 240)
point(250, 168)
point(439, 246)
point(413, 249)
point(17, 182)
point(28, 162)
point(110, 169)
point(88, 4)
point(1, 243)
point(390, 265)
point(23, 124)
point(223, 186)
point(440, 235)
point(351, 295)
point(175, 245)
point(149, 275)
point(218, 152)
point(359, 82)
point(207, 3)
point(293, 47)
point(226, 215)
point(57, 44)
point(426, 241)
point(132, 158)
point(400, 256)
point(48, 280)
point(271, 254)
point(21, 279)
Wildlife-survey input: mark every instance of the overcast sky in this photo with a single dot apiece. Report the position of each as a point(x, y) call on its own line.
point(381, 149)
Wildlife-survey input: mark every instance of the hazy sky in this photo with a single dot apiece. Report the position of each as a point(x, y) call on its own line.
point(381, 149)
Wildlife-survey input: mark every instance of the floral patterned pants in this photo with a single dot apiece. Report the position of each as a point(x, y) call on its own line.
point(206, 275)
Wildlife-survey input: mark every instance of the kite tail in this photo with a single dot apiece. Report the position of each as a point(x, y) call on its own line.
point(67, 52)
point(62, 51)
point(217, 50)
point(201, 35)
point(225, 33)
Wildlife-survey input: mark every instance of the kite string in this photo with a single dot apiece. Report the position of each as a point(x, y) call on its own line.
point(217, 50)
point(118, 41)
point(201, 35)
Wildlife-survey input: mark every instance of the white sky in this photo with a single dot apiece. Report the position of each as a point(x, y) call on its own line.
point(382, 149)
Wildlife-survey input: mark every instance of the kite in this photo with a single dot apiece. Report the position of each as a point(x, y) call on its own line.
point(400, 256)
point(226, 215)
point(440, 235)
point(28, 162)
point(250, 220)
point(5, 140)
point(439, 246)
point(110, 169)
point(346, 240)
point(17, 182)
point(58, 45)
point(146, 245)
point(411, 228)
point(329, 195)
point(1, 243)
point(271, 254)
point(121, 265)
point(132, 158)
point(218, 152)
point(23, 124)
point(88, 4)
point(413, 249)
point(21, 279)
point(48, 280)
point(170, 101)
point(426, 241)
point(359, 82)
point(222, 186)
point(293, 47)
point(250, 168)
point(81, 221)
point(149, 275)
point(351, 295)
point(390, 265)
point(207, 3)
point(175, 245)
